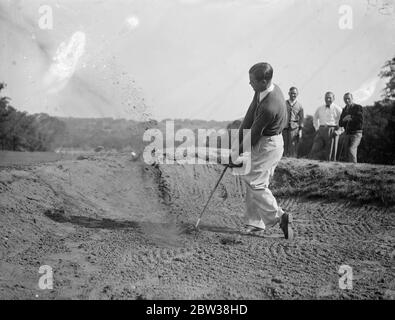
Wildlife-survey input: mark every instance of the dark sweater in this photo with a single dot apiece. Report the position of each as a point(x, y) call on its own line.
point(268, 118)
point(356, 122)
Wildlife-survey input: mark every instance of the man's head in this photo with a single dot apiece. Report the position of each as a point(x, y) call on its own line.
point(348, 99)
point(293, 93)
point(261, 75)
point(329, 98)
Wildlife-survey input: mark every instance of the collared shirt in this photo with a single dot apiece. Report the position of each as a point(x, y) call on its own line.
point(295, 114)
point(327, 116)
point(263, 94)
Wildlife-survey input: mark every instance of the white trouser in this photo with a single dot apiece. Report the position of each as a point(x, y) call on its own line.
point(262, 209)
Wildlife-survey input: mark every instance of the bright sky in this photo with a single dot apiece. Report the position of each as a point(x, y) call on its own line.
point(187, 58)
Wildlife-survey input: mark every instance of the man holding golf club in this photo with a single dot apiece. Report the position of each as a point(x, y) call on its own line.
point(265, 120)
point(352, 120)
point(326, 123)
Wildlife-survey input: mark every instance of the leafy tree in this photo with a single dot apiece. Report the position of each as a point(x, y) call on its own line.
point(20, 131)
point(389, 72)
point(378, 142)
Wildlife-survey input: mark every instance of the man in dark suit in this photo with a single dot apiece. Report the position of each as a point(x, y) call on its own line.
point(264, 121)
point(352, 120)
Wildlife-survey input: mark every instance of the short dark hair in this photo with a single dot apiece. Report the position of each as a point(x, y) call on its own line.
point(262, 71)
point(348, 94)
point(293, 88)
point(331, 93)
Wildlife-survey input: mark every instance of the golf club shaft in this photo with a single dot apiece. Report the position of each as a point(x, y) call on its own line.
point(212, 192)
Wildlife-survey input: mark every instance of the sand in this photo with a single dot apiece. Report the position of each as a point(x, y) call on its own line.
point(112, 228)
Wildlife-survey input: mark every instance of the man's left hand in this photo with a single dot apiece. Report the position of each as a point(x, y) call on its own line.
point(335, 134)
point(234, 154)
point(240, 160)
point(235, 165)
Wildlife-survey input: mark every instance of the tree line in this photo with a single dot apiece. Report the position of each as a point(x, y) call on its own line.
point(20, 131)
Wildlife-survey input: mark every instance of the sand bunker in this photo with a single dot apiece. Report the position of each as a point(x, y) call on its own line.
point(112, 228)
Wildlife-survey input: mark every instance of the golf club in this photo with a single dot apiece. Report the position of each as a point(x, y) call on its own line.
point(212, 192)
point(343, 142)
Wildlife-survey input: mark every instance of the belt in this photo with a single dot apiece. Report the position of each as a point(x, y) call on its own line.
point(327, 126)
point(354, 132)
point(270, 135)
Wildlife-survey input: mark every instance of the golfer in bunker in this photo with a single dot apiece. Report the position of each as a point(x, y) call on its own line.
point(264, 121)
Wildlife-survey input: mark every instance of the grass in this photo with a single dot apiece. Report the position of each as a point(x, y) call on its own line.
point(358, 183)
point(16, 158)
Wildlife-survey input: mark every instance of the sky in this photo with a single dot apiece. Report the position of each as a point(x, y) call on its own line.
point(188, 59)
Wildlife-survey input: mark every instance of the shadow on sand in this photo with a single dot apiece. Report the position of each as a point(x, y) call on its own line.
point(58, 215)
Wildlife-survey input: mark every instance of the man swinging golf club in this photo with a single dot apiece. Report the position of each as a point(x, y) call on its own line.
point(265, 120)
